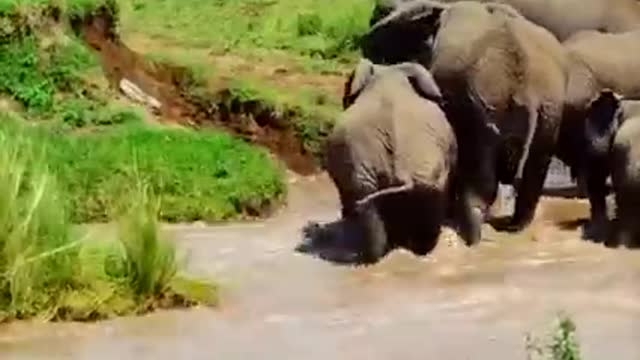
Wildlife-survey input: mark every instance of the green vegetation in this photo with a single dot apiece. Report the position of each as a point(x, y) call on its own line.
point(54, 81)
point(72, 153)
point(46, 70)
point(49, 270)
point(199, 176)
point(289, 44)
point(305, 27)
point(562, 344)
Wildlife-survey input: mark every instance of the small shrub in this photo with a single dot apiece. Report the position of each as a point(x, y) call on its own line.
point(562, 344)
point(79, 9)
point(21, 75)
point(66, 64)
point(309, 24)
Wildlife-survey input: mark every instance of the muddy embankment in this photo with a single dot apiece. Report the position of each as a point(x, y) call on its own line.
point(165, 89)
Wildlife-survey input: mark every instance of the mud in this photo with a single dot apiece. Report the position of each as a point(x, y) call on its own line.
point(170, 85)
point(457, 303)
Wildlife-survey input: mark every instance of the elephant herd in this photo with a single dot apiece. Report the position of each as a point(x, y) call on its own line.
point(452, 98)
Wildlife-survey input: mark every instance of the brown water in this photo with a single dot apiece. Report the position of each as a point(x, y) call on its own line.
point(458, 303)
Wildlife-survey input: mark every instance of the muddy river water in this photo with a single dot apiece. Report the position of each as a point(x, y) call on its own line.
point(457, 303)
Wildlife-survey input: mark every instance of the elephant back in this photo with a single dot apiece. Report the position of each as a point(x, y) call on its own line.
point(425, 144)
point(466, 29)
point(608, 59)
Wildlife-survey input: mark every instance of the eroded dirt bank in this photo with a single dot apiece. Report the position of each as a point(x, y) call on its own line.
point(458, 303)
point(167, 91)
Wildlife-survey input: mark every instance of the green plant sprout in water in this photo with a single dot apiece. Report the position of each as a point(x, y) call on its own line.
point(562, 345)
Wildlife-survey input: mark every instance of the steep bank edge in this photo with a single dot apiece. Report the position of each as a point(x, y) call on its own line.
point(251, 120)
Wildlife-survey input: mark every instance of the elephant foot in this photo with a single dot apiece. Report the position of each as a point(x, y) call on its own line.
point(598, 231)
point(624, 235)
point(470, 230)
point(508, 224)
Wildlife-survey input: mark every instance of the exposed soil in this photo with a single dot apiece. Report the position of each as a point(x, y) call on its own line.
point(250, 120)
point(278, 69)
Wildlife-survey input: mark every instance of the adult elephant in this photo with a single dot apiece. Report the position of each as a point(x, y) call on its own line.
point(498, 73)
point(597, 61)
point(562, 17)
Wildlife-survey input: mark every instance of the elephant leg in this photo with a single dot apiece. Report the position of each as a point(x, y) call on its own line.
point(529, 190)
point(596, 181)
point(348, 201)
point(621, 235)
point(428, 211)
point(469, 218)
point(627, 229)
point(375, 235)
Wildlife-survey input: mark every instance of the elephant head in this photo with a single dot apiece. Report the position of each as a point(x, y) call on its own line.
point(409, 30)
point(602, 122)
point(419, 78)
point(405, 34)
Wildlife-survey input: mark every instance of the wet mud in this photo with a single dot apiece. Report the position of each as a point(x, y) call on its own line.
point(456, 303)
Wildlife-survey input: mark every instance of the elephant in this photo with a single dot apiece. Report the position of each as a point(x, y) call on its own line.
point(563, 18)
point(613, 133)
point(392, 156)
point(503, 81)
point(597, 61)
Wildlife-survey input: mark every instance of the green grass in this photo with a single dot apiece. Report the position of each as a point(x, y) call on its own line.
point(45, 71)
point(306, 27)
point(199, 175)
point(307, 37)
point(561, 344)
point(50, 271)
point(207, 176)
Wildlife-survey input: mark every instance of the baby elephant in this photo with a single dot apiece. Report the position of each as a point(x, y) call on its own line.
point(392, 157)
point(613, 137)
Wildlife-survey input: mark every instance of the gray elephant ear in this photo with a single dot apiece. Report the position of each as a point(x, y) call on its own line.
point(422, 81)
point(357, 81)
point(402, 34)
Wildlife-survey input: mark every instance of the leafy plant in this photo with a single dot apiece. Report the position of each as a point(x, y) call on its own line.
point(562, 344)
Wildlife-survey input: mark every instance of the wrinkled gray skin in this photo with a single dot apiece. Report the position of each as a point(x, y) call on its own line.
point(597, 62)
point(392, 157)
point(503, 80)
point(563, 18)
point(613, 130)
